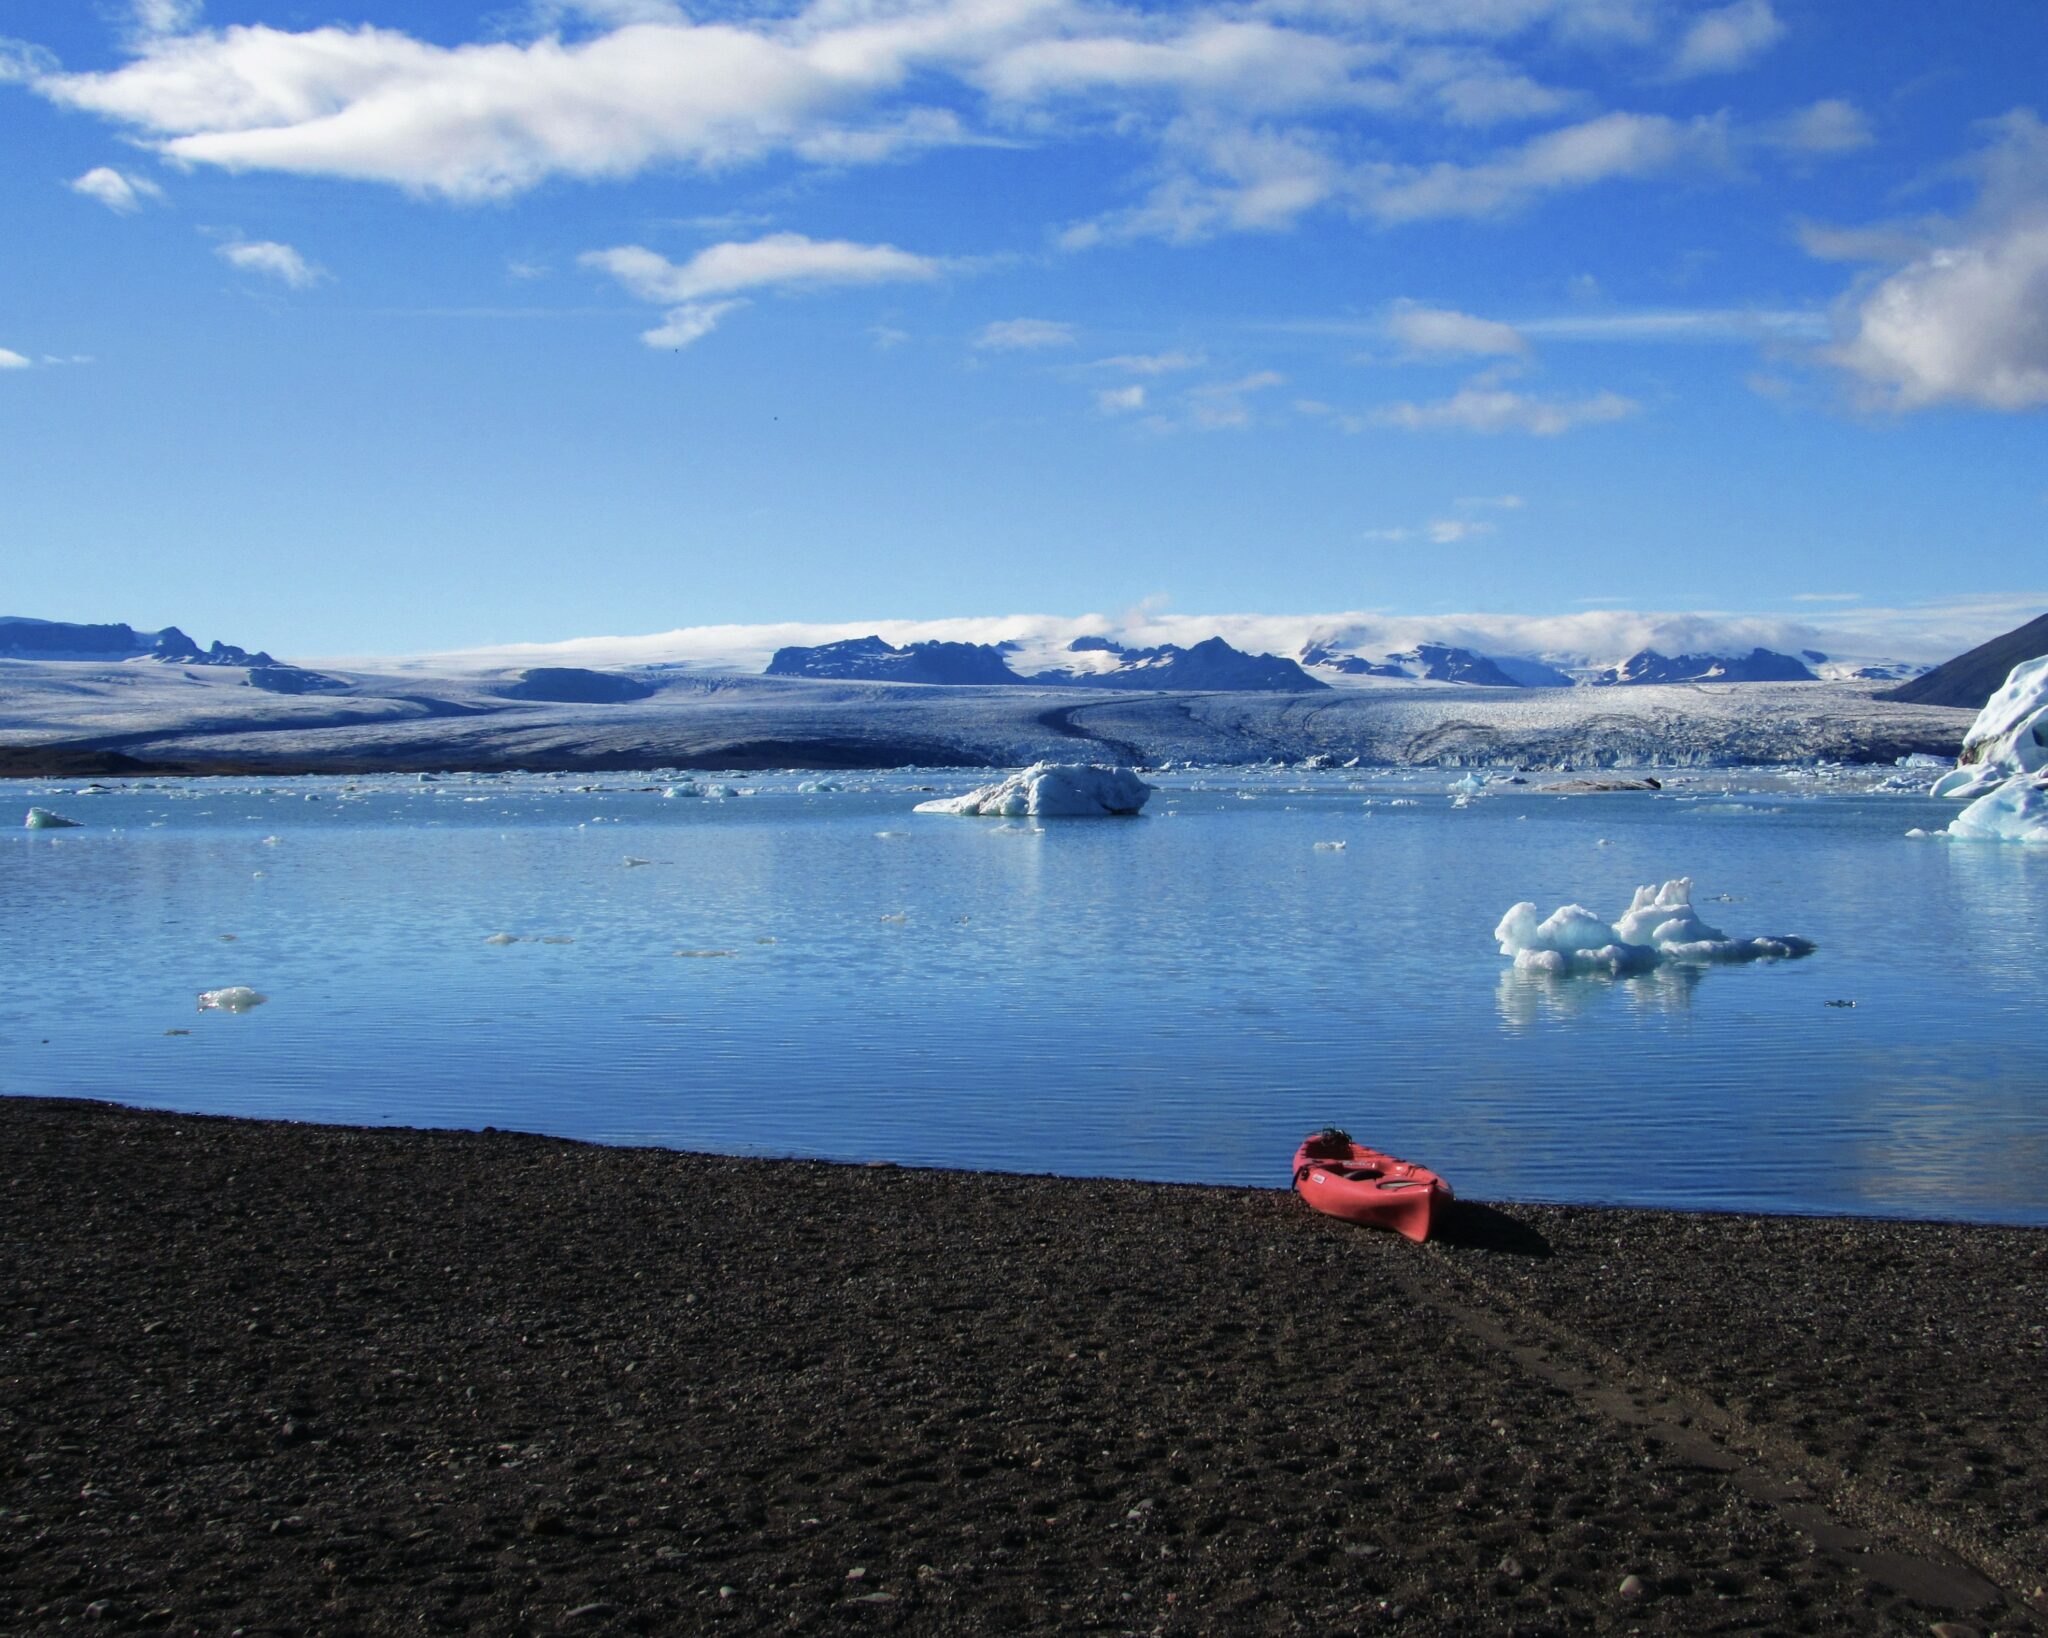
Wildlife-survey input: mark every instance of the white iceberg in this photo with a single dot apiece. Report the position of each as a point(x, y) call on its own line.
point(2015, 811)
point(1659, 926)
point(44, 819)
point(2004, 765)
point(1052, 790)
point(235, 998)
point(2008, 740)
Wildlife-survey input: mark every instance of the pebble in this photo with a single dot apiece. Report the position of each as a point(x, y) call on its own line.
point(1632, 1586)
point(1511, 1567)
point(590, 1612)
point(728, 1592)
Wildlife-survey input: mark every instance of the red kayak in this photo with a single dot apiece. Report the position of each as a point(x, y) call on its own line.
point(1361, 1185)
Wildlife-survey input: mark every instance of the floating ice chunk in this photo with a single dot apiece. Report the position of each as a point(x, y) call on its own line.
point(1470, 785)
point(271, 841)
point(683, 787)
point(44, 819)
point(816, 787)
point(1329, 847)
point(1050, 790)
point(502, 938)
point(632, 863)
point(2015, 811)
point(720, 792)
point(705, 955)
point(1660, 925)
point(235, 998)
point(889, 835)
point(2009, 739)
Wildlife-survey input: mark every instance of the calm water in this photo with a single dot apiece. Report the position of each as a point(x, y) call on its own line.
point(1180, 996)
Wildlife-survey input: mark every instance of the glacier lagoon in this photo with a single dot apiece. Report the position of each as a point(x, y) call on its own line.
point(807, 967)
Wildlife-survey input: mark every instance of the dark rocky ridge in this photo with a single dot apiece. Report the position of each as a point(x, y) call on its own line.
point(1970, 679)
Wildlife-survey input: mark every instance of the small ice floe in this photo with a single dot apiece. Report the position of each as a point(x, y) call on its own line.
point(44, 819)
point(502, 938)
point(1329, 847)
point(1471, 785)
point(718, 792)
point(235, 998)
point(632, 863)
point(1659, 926)
point(897, 915)
point(1841, 1003)
point(682, 787)
point(890, 835)
point(816, 787)
point(271, 841)
point(558, 938)
point(703, 955)
point(1052, 790)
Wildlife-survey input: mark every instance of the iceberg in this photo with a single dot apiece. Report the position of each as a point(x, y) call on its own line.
point(235, 998)
point(2009, 739)
point(2004, 765)
point(1659, 926)
point(1052, 790)
point(2015, 811)
point(44, 819)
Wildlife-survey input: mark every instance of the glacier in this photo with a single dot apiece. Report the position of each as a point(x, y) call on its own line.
point(87, 719)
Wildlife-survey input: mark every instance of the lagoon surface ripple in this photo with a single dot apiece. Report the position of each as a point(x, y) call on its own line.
point(804, 971)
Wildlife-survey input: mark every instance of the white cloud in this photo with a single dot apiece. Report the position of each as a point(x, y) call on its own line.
point(1831, 126)
point(1495, 409)
point(11, 360)
point(1120, 400)
point(1576, 156)
point(1449, 531)
point(1728, 38)
point(692, 321)
point(150, 19)
point(1498, 503)
point(272, 260)
point(1024, 335)
point(777, 259)
point(1443, 330)
point(117, 190)
point(1966, 320)
point(1152, 363)
point(887, 337)
point(780, 259)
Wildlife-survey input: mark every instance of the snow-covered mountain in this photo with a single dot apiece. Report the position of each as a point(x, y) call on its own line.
point(1094, 662)
point(1758, 665)
point(22, 638)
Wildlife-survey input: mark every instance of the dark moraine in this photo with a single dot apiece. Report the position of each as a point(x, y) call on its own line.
point(279, 1378)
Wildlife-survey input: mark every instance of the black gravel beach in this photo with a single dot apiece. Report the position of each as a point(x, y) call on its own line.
point(275, 1378)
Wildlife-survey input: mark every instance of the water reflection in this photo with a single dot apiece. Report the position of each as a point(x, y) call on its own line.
point(1527, 999)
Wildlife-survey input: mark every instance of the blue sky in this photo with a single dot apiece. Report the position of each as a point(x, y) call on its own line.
point(392, 328)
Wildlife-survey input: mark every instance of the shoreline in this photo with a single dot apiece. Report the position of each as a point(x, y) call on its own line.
point(282, 1376)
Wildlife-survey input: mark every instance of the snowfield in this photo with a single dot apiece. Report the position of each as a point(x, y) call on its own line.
point(138, 715)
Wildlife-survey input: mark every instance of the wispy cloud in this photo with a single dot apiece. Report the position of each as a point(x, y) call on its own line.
point(1152, 363)
point(1024, 335)
point(1726, 39)
point(1439, 330)
point(778, 260)
point(271, 260)
point(1120, 400)
point(11, 360)
point(119, 191)
point(1496, 409)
